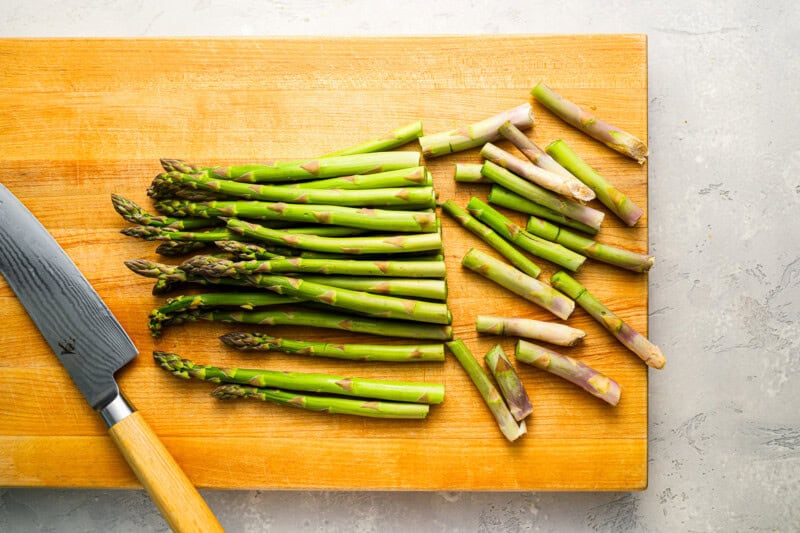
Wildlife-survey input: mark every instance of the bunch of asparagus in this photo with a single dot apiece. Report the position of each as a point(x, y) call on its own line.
point(348, 241)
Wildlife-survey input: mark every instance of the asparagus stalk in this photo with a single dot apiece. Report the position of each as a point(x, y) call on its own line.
point(505, 420)
point(530, 150)
point(151, 269)
point(539, 247)
point(578, 117)
point(534, 193)
point(532, 329)
point(216, 267)
point(632, 339)
point(178, 248)
point(475, 135)
point(469, 173)
point(401, 391)
point(244, 251)
point(492, 239)
point(248, 250)
point(179, 165)
point(164, 186)
point(398, 244)
point(589, 379)
point(505, 198)
point(515, 281)
point(405, 177)
point(326, 167)
point(428, 289)
point(611, 197)
point(320, 319)
point(612, 255)
point(354, 352)
point(568, 187)
point(243, 300)
point(325, 404)
point(398, 137)
point(508, 382)
point(132, 212)
point(151, 233)
point(364, 218)
point(354, 300)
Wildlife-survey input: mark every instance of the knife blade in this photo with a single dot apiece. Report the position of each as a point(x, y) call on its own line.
point(92, 345)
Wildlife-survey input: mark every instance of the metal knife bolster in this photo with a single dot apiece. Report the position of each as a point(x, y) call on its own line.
point(116, 411)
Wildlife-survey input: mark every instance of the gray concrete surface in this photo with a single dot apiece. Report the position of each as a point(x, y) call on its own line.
point(725, 295)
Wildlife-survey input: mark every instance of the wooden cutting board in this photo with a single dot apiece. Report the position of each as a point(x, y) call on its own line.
point(84, 118)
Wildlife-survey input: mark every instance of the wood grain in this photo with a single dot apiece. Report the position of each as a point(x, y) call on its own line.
point(84, 118)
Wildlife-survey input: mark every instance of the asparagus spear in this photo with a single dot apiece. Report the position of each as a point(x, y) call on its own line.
point(244, 251)
point(632, 339)
point(178, 248)
point(535, 155)
point(179, 165)
point(410, 198)
point(574, 115)
point(535, 245)
point(621, 205)
point(505, 420)
point(398, 137)
point(568, 187)
point(532, 329)
point(249, 250)
point(132, 212)
point(589, 379)
point(364, 218)
point(512, 279)
point(612, 255)
point(505, 198)
point(398, 244)
point(428, 289)
point(355, 352)
point(325, 404)
point(492, 239)
point(401, 391)
point(243, 300)
point(320, 319)
point(151, 233)
point(162, 188)
point(534, 193)
point(509, 383)
point(326, 167)
point(404, 177)
point(469, 173)
point(217, 267)
point(475, 135)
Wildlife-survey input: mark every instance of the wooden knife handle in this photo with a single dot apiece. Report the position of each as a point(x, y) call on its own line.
point(173, 493)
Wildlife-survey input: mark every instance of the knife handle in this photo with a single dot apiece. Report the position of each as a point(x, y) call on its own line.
point(173, 493)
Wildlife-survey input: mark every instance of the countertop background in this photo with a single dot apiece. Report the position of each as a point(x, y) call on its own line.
point(724, 295)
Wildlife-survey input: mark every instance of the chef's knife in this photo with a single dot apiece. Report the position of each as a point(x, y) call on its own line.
point(92, 346)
